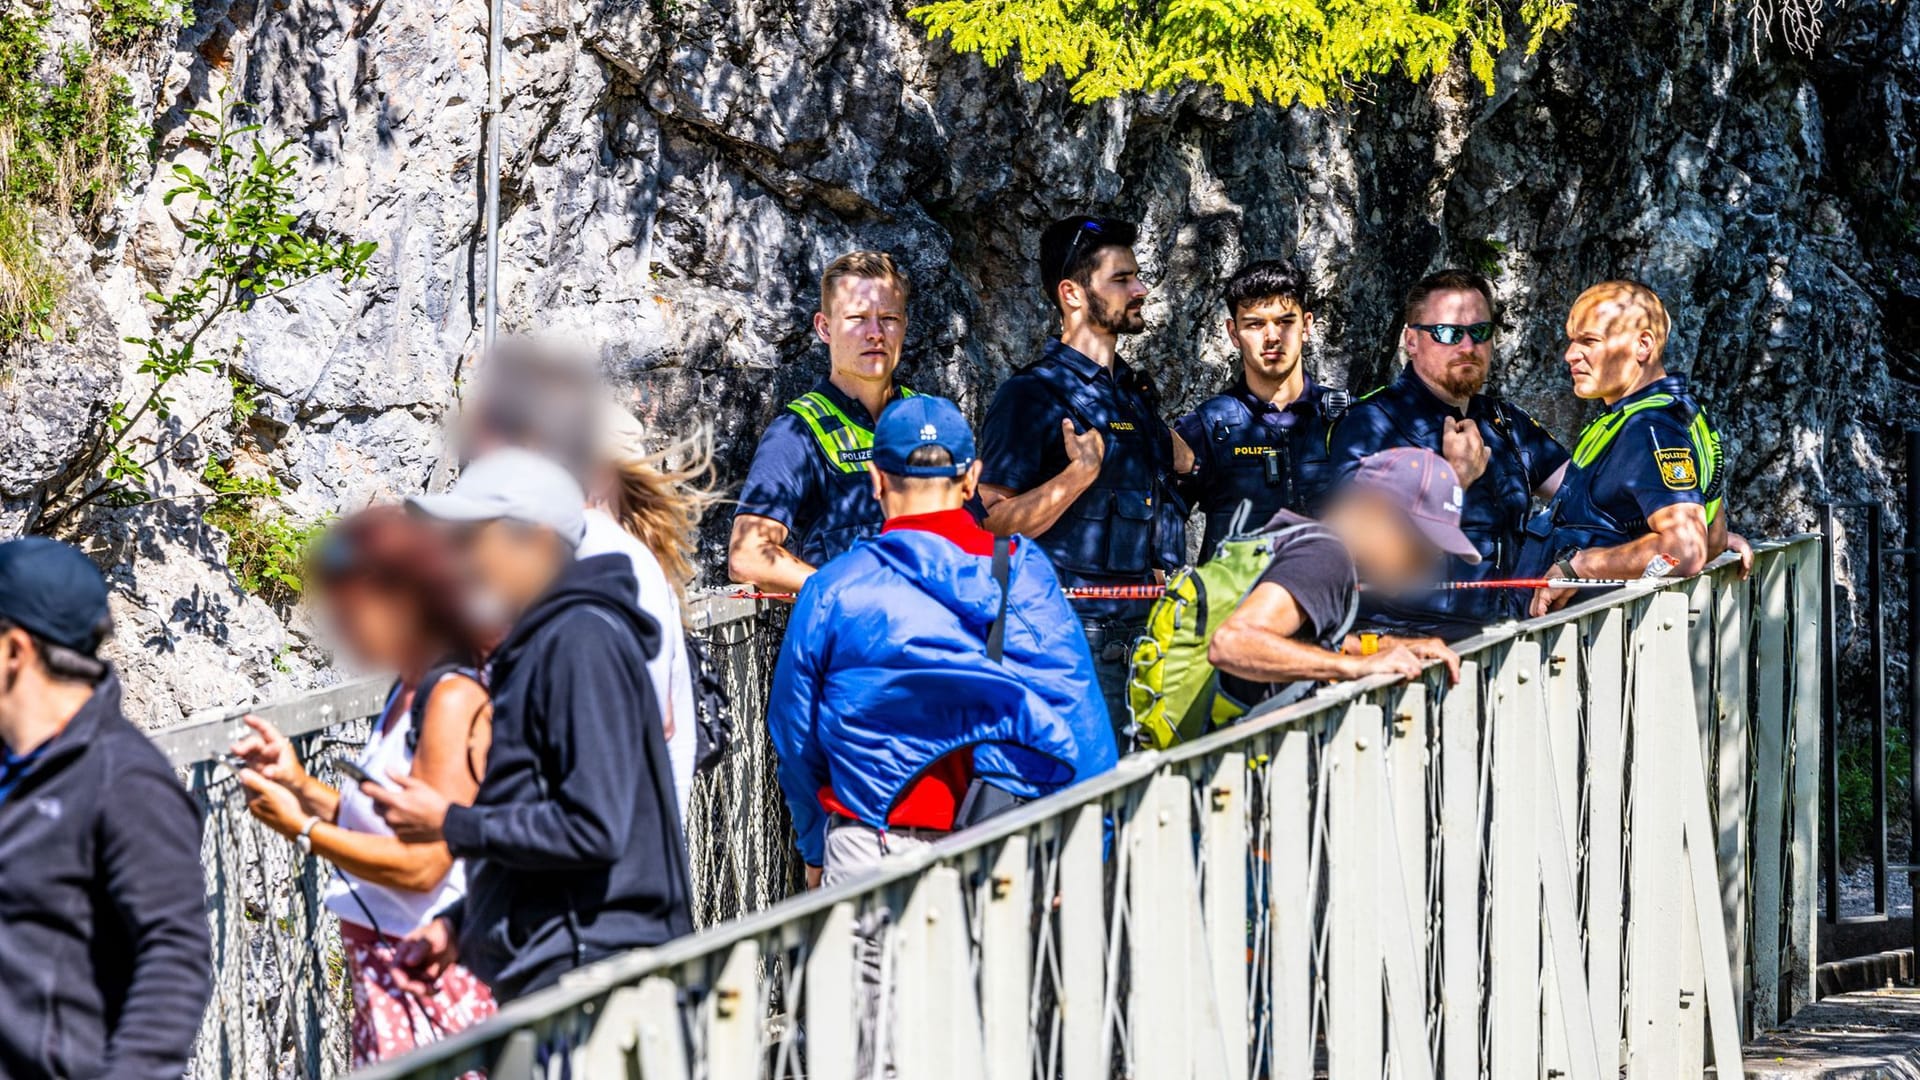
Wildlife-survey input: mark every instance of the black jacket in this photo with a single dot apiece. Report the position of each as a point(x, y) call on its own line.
point(573, 842)
point(104, 957)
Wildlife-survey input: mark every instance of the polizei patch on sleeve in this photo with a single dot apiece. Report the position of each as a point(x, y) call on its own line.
point(1677, 469)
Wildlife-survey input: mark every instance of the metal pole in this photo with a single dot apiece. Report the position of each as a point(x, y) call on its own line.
point(1913, 638)
point(1830, 720)
point(1877, 710)
point(491, 322)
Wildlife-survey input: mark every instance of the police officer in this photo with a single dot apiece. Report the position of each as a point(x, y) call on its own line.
point(1261, 447)
point(807, 497)
point(1646, 481)
point(1503, 457)
point(1076, 455)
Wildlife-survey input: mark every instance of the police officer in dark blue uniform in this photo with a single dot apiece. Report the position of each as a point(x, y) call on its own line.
point(1076, 455)
point(807, 497)
point(1503, 457)
point(1646, 482)
point(1261, 447)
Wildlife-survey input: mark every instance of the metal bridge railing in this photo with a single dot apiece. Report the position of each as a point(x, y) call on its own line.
point(281, 1001)
point(1594, 857)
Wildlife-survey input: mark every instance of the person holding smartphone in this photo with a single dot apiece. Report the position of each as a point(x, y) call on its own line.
point(390, 590)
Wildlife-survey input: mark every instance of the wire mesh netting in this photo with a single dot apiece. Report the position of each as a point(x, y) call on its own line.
point(282, 1002)
point(280, 997)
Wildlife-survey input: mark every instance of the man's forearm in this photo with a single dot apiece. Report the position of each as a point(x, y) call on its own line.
point(1264, 657)
point(770, 566)
point(1032, 513)
point(1686, 546)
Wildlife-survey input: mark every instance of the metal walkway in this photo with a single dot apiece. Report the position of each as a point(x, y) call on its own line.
point(1595, 857)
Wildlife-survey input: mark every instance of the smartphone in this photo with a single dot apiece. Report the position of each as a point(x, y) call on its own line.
point(352, 769)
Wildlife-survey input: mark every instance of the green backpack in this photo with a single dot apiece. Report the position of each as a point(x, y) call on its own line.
point(1172, 691)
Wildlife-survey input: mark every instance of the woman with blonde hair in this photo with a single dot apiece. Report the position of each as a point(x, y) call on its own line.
point(646, 504)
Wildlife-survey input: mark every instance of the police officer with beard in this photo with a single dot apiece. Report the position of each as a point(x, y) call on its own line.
point(1261, 446)
point(1075, 453)
point(1504, 458)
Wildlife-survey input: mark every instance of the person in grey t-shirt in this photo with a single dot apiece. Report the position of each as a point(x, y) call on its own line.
point(1389, 525)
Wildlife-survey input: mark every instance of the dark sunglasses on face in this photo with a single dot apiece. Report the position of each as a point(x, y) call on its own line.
point(1454, 333)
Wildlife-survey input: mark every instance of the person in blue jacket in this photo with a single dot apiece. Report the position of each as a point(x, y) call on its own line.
point(934, 674)
point(1076, 454)
point(1261, 447)
point(1504, 459)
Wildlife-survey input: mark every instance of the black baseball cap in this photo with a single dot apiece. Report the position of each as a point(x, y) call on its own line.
point(1068, 238)
point(53, 592)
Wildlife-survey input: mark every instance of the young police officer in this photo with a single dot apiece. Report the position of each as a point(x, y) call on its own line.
point(1502, 456)
point(1646, 478)
point(1076, 455)
point(1263, 443)
point(807, 498)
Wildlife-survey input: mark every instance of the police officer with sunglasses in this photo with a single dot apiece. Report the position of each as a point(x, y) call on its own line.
point(1503, 457)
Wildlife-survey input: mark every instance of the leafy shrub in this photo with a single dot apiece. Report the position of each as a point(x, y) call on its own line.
point(122, 23)
point(1284, 51)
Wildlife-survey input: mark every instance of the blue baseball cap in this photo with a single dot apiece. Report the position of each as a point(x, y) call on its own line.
point(921, 420)
point(53, 592)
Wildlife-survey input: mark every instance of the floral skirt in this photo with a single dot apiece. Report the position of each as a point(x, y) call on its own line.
point(387, 1020)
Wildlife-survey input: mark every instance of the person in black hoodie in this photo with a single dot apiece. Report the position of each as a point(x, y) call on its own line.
point(105, 963)
point(573, 842)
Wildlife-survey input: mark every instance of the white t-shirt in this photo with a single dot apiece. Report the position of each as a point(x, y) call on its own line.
point(670, 670)
point(393, 912)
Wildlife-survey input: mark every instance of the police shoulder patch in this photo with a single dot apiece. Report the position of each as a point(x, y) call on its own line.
point(1677, 468)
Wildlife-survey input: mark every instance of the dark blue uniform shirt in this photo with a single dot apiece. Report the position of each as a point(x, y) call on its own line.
point(1521, 457)
point(1248, 450)
point(826, 509)
point(1612, 488)
point(1120, 530)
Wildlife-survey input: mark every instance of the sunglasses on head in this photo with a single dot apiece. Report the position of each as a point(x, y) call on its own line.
point(1454, 333)
point(1074, 247)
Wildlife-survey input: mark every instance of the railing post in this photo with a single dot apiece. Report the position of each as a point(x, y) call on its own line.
point(1006, 961)
point(937, 1033)
point(1082, 924)
point(1354, 1049)
point(1224, 834)
point(832, 1006)
point(1513, 992)
point(1655, 1032)
point(1802, 911)
point(1290, 907)
point(1460, 876)
point(1770, 788)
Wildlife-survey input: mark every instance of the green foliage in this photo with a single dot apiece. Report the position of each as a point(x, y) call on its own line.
point(1284, 51)
point(1482, 255)
point(70, 139)
point(122, 23)
point(29, 283)
point(244, 235)
point(1856, 787)
point(266, 551)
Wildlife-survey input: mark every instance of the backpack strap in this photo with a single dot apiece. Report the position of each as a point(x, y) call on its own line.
point(997, 635)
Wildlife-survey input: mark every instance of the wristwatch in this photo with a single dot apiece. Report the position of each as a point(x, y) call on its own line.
point(1564, 563)
point(305, 840)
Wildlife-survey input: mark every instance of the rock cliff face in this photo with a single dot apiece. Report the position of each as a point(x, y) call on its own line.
point(676, 175)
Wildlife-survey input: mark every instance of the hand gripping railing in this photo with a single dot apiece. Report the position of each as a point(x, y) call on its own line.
point(281, 1000)
point(1594, 855)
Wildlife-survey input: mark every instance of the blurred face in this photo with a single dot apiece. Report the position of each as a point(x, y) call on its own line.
point(1389, 552)
point(1114, 299)
point(1609, 346)
point(376, 626)
point(506, 566)
point(1458, 371)
point(864, 326)
point(1270, 334)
